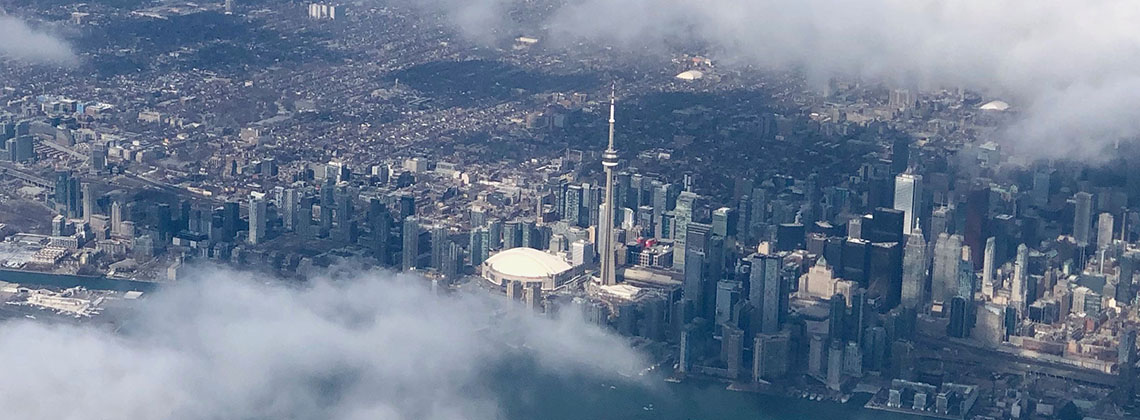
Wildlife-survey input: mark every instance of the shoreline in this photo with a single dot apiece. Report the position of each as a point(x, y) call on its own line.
point(767, 389)
point(49, 279)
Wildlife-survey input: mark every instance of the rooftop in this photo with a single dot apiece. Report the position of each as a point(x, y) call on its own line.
point(526, 262)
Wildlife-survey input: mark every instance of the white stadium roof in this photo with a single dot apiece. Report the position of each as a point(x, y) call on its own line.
point(994, 106)
point(690, 75)
point(526, 263)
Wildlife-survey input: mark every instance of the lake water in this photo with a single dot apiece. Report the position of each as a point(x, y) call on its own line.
point(589, 399)
point(32, 278)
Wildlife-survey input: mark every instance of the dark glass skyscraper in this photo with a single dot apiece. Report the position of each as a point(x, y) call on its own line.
point(764, 291)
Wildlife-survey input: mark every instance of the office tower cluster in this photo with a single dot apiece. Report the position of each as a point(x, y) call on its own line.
point(823, 247)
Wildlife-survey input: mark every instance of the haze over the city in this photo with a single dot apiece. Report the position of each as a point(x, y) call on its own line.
point(508, 209)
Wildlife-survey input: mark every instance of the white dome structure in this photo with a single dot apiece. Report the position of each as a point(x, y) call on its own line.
point(994, 106)
point(690, 75)
point(526, 266)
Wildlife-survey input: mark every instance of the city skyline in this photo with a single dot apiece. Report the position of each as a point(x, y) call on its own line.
point(428, 210)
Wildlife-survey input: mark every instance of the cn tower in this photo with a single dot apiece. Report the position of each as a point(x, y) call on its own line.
point(606, 222)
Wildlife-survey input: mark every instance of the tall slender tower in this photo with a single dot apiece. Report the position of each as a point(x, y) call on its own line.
point(988, 265)
point(908, 199)
point(606, 222)
point(1082, 218)
point(914, 270)
point(1018, 295)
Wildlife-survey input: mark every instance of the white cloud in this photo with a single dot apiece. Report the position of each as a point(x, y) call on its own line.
point(20, 41)
point(226, 345)
point(1085, 54)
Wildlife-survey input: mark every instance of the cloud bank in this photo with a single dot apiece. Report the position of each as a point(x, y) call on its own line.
point(225, 345)
point(20, 41)
point(1071, 67)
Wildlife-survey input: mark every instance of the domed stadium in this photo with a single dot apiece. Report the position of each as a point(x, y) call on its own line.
point(527, 266)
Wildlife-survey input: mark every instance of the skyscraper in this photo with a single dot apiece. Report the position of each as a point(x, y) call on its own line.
point(683, 216)
point(407, 204)
point(531, 235)
point(89, 197)
point(908, 199)
point(988, 264)
point(1126, 363)
point(884, 225)
point(1040, 192)
point(977, 221)
point(966, 278)
point(770, 356)
point(732, 350)
point(947, 258)
point(941, 221)
point(326, 219)
point(1082, 218)
point(1018, 290)
point(914, 269)
point(591, 201)
point(257, 222)
point(163, 221)
point(512, 234)
point(573, 204)
point(1125, 289)
point(696, 275)
point(67, 193)
point(837, 309)
point(959, 326)
point(495, 234)
point(303, 218)
point(116, 217)
point(727, 296)
point(452, 262)
point(886, 272)
point(98, 158)
point(411, 241)
point(664, 200)
point(344, 212)
point(764, 293)
point(478, 217)
point(478, 245)
point(230, 219)
point(759, 216)
point(290, 200)
point(900, 152)
point(644, 218)
point(379, 221)
point(1104, 229)
point(609, 162)
point(724, 225)
point(439, 247)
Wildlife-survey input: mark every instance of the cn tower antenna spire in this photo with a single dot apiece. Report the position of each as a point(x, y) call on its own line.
point(613, 100)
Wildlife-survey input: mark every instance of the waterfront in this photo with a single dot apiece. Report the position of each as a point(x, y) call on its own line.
point(658, 400)
point(34, 278)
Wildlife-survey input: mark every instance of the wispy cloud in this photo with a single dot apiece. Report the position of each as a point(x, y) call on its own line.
point(359, 346)
point(21, 41)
